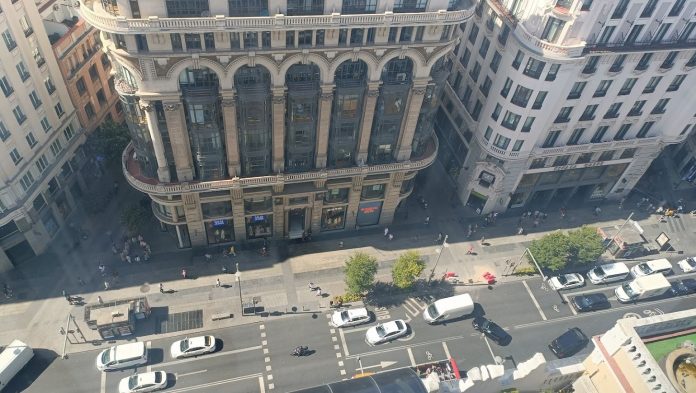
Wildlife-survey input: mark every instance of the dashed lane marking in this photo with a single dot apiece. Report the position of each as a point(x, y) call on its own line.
point(102, 388)
point(490, 349)
point(262, 385)
point(447, 352)
point(399, 348)
point(536, 304)
point(411, 357)
point(208, 356)
point(567, 301)
point(343, 342)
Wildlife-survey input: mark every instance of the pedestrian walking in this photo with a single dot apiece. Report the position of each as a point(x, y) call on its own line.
point(391, 237)
point(106, 285)
point(439, 238)
point(217, 283)
point(65, 295)
point(386, 232)
point(483, 240)
point(99, 300)
point(312, 286)
point(470, 250)
point(340, 244)
point(102, 268)
point(161, 287)
point(427, 220)
point(184, 274)
point(232, 251)
point(318, 291)
point(520, 230)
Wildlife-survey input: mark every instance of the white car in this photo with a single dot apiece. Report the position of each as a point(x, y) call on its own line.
point(145, 382)
point(193, 346)
point(350, 317)
point(385, 332)
point(566, 281)
point(687, 265)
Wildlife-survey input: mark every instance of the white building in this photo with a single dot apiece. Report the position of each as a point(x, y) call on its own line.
point(564, 101)
point(39, 137)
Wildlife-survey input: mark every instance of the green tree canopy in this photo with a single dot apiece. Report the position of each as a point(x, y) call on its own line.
point(109, 140)
point(134, 217)
point(557, 250)
point(551, 251)
point(360, 272)
point(407, 268)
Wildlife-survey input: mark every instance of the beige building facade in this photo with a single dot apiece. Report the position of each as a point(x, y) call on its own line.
point(267, 118)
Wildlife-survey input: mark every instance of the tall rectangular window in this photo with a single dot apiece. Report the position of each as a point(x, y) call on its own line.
point(591, 65)
point(644, 129)
point(496, 112)
point(518, 60)
point(633, 34)
point(606, 35)
point(644, 62)
point(660, 107)
point(248, 7)
point(305, 7)
point(552, 30)
point(617, 65)
point(209, 40)
point(35, 100)
point(539, 100)
point(59, 110)
point(621, 134)
point(10, 43)
point(22, 71)
point(602, 88)
point(501, 142)
point(187, 8)
point(575, 136)
point(19, 115)
point(648, 9)
point(564, 115)
point(27, 181)
point(4, 132)
point(677, 8)
point(528, 123)
point(551, 138)
point(534, 68)
point(521, 96)
point(359, 7)
point(620, 9)
point(589, 112)
point(495, 61)
point(652, 84)
point(45, 124)
point(637, 108)
point(669, 60)
point(7, 89)
point(483, 50)
point(193, 41)
point(613, 111)
point(628, 86)
point(599, 134)
point(410, 5)
point(686, 32)
point(31, 140)
point(576, 90)
point(15, 156)
point(661, 32)
point(473, 33)
point(676, 82)
point(176, 41)
point(56, 147)
point(506, 87)
point(510, 120)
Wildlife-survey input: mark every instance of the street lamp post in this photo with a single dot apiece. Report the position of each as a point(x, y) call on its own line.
point(617, 233)
point(439, 254)
point(238, 276)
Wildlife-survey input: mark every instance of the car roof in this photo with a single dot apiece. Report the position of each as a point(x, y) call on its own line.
point(571, 335)
point(595, 296)
point(357, 312)
point(392, 325)
point(146, 378)
point(200, 340)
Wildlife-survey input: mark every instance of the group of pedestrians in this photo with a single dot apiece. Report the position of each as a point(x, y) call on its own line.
point(135, 249)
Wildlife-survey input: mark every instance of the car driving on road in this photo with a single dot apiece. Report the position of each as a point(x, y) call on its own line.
point(192, 346)
point(687, 265)
point(566, 281)
point(145, 382)
point(491, 330)
point(590, 302)
point(350, 317)
point(569, 343)
point(386, 332)
point(683, 287)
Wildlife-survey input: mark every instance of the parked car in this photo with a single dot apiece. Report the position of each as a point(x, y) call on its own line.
point(569, 343)
point(145, 382)
point(385, 332)
point(192, 346)
point(590, 302)
point(687, 265)
point(566, 281)
point(350, 317)
point(683, 287)
point(491, 330)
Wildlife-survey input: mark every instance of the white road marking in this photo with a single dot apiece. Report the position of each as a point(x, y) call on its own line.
point(531, 295)
point(337, 347)
point(268, 368)
point(269, 377)
point(343, 372)
point(489, 348)
point(355, 329)
point(447, 352)
point(271, 386)
point(343, 341)
point(411, 357)
point(212, 355)
point(216, 383)
point(398, 348)
point(102, 388)
point(177, 375)
point(340, 363)
point(264, 342)
point(262, 385)
point(148, 344)
point(567, 301)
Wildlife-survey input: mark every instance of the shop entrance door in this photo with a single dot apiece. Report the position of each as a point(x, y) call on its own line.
point(296, 223)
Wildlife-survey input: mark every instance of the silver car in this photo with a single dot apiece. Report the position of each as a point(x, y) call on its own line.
point(385, 332)
point(350, 317)
point(566, 281)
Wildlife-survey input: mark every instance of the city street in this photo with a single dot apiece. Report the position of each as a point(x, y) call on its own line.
point(256, 357)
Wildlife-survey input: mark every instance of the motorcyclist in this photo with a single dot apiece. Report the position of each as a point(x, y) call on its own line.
point(299, 351)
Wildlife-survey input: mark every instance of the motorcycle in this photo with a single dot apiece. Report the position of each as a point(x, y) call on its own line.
point(300, 351)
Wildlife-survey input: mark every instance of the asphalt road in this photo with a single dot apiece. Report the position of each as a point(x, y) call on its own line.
point(256, 357)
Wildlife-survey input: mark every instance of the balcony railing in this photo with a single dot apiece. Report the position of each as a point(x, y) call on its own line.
point(95, 15)
point(149, 185)
point(591, 147)
point(640, 46)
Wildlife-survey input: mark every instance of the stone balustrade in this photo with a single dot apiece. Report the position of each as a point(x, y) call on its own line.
point(95, 15)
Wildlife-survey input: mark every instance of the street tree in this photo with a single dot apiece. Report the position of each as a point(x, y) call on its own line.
point(586, 245)
point(551, 251)
point(360, 272)
point(108, 141)
point(134, 217)
point(407, 268)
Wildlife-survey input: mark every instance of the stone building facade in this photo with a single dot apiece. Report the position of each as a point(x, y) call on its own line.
point(274, 118)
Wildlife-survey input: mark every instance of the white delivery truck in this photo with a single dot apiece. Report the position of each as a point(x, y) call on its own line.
point(642, 288)
point(12, 359)
point(448, 308)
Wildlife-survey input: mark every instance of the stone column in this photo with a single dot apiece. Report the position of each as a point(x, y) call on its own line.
point(156, 137)
point(278, 129)
point(391, 198)
point(354, 202)
point(194, 219)
point(229, 115)
point(408, 129)
point(278, 218)
point(368, 117)
point(324, 124)
point(178, 133)
point(238, 213)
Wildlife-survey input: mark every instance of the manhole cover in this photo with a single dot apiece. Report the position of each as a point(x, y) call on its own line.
point(144, 288)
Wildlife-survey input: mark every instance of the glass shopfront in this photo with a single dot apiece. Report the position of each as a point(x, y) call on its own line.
point(259, 226)
point(219, 231)
point(368, 213)
point(333, 218)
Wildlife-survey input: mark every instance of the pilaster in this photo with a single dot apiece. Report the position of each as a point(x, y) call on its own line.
point(317, 208)
point(238, 213)
point(176, 125)
point(278, 129)
point(229, 114)
point(415, 101)
point(194, 220)
point(278, 218)
point(325, 105)
point(391, 198)
point(157, 144)
point(368, 117)
point(354, 202)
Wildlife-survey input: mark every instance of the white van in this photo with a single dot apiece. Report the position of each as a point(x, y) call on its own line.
point(651, 267)
point(122, 356)
point(448, 308)
point(610, 272)
point(12, 360)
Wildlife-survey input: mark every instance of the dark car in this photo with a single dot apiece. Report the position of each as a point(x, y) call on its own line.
point(591, 302)
point(491, 330)
point(683, 287)
point(569, 343)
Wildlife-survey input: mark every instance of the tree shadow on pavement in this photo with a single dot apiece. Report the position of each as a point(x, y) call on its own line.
point(384, 294)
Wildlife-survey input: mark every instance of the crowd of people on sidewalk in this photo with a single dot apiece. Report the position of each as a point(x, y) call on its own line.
point(135, 249)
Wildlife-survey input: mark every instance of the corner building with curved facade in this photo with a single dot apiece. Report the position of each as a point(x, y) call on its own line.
point(565, 101)
point(273, 118)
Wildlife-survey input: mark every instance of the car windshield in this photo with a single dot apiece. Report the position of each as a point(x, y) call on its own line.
point(691, 262)
point(399, 325)
point(380, 330)
point(586, 301)
point(106, 357)
point(158, 377)
point(599, 272)
point(433, 312)
point(184, 346)
point(563, 279)
point(132, 382)
point(344, 316)
point(628, 289)
point(643, 267)
point(207, 341)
